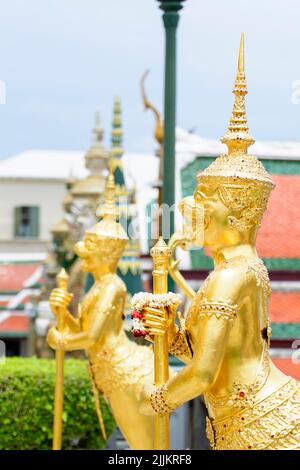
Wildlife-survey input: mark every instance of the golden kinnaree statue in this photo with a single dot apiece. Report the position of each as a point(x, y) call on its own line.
point(224, 340)
point(120, 368)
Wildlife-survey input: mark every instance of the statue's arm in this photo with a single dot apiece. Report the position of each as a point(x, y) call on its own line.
point(213, 319)
point(103, 307)
point(59, 300)
point(201, 371)
point(216, 314)
point(72, 323)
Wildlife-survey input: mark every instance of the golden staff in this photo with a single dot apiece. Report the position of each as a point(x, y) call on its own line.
point(160, 254)
point(62, 283)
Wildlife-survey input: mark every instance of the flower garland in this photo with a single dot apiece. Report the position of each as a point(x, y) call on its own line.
point(146, 299)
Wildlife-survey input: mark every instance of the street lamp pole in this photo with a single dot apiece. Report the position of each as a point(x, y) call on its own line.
point(170, 20)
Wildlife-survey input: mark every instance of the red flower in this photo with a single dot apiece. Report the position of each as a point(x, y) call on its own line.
point(138, 333)
point(136, 314)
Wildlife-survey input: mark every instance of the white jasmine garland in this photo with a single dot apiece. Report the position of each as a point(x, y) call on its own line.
point(145, 299)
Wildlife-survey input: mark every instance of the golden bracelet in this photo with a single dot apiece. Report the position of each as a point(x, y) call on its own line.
point(62, 342)
point(158, 400)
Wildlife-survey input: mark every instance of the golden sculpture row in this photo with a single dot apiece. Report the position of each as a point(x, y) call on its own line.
point(224, 339)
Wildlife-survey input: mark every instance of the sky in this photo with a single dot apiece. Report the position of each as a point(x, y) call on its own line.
point(62, 59)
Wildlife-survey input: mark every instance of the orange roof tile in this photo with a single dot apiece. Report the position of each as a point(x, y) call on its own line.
point(13, 276)
point(15, 323)
point(279, 235)
point(285, 307)
point(287, 367)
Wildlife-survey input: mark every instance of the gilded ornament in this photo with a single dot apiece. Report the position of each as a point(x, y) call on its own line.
point(119, 368)
point(251, 404)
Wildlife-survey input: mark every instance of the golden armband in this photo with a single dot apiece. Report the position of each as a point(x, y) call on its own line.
point(218, 308)
point(159, 402)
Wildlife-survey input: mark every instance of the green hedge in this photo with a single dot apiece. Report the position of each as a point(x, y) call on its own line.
point(26, 406)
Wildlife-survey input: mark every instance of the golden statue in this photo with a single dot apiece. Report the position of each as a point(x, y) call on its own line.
point(118, 366)
point(224, 340)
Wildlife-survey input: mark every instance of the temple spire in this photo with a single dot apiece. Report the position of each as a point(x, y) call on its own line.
point(109, 209)
point(241, 61)
point(117, 131)
point(237, 137)
point(98, 130)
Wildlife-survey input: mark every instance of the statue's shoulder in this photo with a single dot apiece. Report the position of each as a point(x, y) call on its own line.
point(113, 283)
point(242, 270)
point(120, 284)
point(229, 270)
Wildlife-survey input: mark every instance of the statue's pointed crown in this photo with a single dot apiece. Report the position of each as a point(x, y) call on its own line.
point(237, 164)
point(108, 227)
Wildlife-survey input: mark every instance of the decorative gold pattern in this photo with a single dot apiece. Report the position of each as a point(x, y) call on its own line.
point(180, 345)
point(273, 423)
point(253, 265)
point(210, 433)
point(218, 308)
point(133, 266)
point(243, 395)
point(120, 367)
point(246, 203)
point(159, 402)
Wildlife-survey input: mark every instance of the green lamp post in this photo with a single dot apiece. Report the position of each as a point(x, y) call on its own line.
point(170, 19)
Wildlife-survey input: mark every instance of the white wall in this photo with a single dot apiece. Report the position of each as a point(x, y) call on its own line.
point(46, 194)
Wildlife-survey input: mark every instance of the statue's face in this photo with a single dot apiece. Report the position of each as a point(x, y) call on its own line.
point(215, 215)
point(88, 251)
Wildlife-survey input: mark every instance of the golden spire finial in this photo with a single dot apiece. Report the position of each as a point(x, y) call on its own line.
point(62, 279)
point(237, 137)
point(237, 164)
point(159, 128)
point(109, 209)
point(241, 61)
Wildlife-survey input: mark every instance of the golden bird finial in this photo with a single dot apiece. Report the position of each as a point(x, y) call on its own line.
point(159, 128)
point(237, 137)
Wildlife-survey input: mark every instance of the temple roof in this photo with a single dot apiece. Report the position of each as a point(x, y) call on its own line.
point(60, 164)
point(287, 366)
